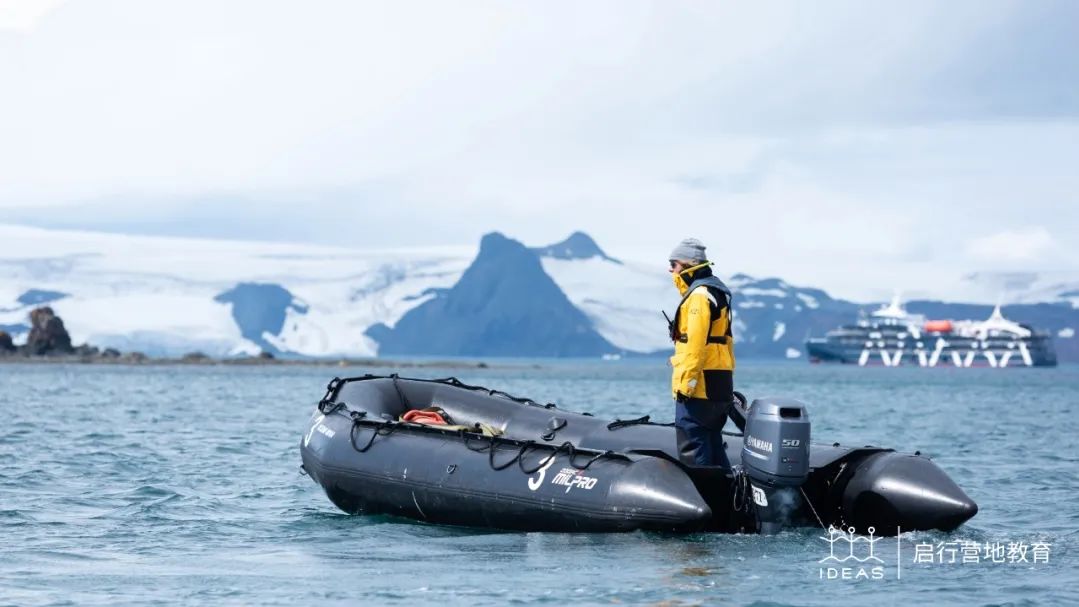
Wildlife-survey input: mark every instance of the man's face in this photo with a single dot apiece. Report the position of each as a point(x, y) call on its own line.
point(677, 266)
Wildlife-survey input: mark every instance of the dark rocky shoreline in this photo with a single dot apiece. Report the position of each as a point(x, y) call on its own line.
point(246, 361)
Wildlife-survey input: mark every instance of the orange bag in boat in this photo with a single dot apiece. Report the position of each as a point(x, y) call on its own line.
point(424, 416)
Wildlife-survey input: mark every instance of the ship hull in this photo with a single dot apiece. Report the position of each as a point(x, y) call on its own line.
point(954, 353)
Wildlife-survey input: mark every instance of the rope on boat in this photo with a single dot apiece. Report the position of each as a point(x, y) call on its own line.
point(328, 406)
point(802, 489)
point(571, 450)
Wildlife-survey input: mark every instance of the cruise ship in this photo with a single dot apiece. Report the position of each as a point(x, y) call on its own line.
point(892, 337)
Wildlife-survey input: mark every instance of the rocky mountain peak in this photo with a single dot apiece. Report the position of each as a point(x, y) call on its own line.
point(503, 305)
point(577, 246)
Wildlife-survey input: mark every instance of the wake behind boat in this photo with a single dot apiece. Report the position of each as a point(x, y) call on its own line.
point(445, 452)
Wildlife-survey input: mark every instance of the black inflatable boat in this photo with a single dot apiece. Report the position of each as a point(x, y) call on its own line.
point(512, 463)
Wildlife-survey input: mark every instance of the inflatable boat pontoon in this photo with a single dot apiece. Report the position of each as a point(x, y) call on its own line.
point(511, 463)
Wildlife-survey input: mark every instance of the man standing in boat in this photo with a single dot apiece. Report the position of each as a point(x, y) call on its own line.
point(703, 377)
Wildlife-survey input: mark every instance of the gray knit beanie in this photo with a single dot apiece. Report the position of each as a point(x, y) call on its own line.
point(689, 249)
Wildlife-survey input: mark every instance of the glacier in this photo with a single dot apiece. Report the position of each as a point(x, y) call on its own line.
point(157, 294)
point(168, 296)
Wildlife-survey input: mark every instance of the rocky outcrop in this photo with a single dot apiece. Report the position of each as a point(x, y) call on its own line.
point(260, 309)
point(6, 345)
point(48, 342)
point(47, 334)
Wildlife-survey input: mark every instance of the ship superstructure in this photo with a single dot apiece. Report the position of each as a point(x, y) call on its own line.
point(891, 337)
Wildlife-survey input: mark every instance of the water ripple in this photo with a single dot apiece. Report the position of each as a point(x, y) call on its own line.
point(141, 486)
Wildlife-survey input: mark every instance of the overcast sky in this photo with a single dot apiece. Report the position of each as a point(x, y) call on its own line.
point(859, 147)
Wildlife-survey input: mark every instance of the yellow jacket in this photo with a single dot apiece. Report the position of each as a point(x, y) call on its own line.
point(703, 361)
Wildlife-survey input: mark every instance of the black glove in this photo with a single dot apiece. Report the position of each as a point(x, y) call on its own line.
point(679, 397)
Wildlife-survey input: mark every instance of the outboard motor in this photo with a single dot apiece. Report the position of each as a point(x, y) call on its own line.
point(775, 455)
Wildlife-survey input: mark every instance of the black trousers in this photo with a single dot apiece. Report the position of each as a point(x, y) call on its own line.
point(699, 429)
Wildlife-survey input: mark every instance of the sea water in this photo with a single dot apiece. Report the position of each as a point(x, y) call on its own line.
point(181, 485)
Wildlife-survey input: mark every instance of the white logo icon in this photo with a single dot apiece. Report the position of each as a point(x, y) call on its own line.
point(835, 535)
point(307, 439)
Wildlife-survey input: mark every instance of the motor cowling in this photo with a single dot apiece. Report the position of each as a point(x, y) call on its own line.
point(775, 456)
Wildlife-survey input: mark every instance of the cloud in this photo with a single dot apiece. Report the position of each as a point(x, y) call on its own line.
point(1026, 244)
point(194, 96)
point(829, 146)
point(23, 15)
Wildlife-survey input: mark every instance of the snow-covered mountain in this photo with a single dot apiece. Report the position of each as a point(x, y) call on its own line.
point(1026, 287)
point(171, 296)
point(505, 304)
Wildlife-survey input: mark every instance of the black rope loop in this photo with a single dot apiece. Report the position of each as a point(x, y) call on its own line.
point(453, 381)
point(640, 421)
point(543, 462)
point(400, 394)
point(513, 460)
point(327, 399)
point(327, 407)
point(740, 492)
point(622, 423)
point(378, 431)
point(330, 387)
point(352, 438)
point(572, 454)
point(592, 460)
point(517, 399)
